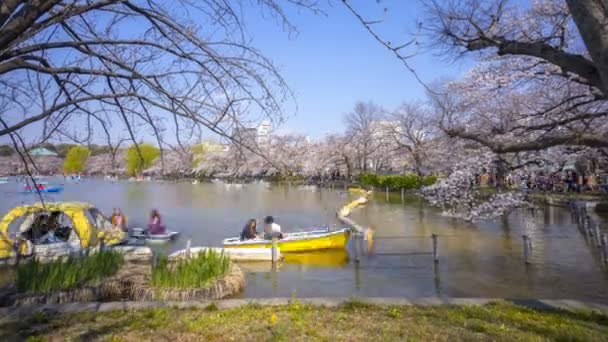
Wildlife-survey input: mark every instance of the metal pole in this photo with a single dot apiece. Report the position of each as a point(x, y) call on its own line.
point(402, 194)
point(598, 236)
point(435, 248)
point(605, 246)
point(275, 254)
point(188, 254)
point(526, 248)
point(387, 193)
point(356, 246)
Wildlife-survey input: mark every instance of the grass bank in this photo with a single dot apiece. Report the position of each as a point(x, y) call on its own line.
point(352, 321)
point(64, 274)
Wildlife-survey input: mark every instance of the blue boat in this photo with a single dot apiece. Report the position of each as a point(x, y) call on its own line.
point(49, 189)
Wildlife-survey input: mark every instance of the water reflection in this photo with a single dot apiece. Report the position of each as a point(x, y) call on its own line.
point(483, 259)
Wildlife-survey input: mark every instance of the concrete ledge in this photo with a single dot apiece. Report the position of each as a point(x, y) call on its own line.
point(11, 314)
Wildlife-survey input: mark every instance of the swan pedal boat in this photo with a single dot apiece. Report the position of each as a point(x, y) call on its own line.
point(297, 242)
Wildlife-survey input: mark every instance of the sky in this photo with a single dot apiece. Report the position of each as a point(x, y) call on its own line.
point(334, 62)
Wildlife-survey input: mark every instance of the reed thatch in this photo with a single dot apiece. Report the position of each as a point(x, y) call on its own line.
point(132, 283)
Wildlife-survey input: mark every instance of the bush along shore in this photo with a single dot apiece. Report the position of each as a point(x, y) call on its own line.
point(351, 321)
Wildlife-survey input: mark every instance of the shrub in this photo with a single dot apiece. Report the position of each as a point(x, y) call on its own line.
point(368, 179)
point(63, 274)
point(6, 151)
point(76, 159)
point(136, 163)
point(406, 181)
point(190, 273)
point(429, 180)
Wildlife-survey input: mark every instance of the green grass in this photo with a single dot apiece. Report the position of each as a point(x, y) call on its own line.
point(354, 321)
point(192, 273)
point(66, 273)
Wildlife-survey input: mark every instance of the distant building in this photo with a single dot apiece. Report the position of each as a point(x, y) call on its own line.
point(41, 151)
point(263, 132)
point(245, 136)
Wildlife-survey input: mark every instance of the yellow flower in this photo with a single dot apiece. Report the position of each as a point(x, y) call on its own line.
point(273, 318)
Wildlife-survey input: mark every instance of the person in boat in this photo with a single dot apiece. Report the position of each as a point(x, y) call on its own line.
point(249, 231)
point(155, 225)
point(271, 229)
point(52, 226)
point(118, 219)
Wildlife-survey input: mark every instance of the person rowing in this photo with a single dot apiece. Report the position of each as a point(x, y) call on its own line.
point(271, 229)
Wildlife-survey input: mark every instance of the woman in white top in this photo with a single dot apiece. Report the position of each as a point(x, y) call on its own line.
point(271, 229)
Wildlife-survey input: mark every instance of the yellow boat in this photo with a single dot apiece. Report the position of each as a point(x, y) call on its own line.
point(326, 258)
point(297, 242)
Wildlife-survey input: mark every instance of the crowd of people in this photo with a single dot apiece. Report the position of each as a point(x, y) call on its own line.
point(569, 181)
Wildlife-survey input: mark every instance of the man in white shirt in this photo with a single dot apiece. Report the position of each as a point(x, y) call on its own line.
point(271, 229)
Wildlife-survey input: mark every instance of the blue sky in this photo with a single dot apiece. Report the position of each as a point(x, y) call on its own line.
point(334, 62)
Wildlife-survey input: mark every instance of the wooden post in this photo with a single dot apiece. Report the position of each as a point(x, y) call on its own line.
point(526, 241)
point(402, 194)
point(188, 254)
point(387, 193)
point(435, 248)
point(275, 250)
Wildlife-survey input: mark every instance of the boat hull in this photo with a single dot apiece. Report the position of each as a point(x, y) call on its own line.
point(52, 189)
point(331, 240)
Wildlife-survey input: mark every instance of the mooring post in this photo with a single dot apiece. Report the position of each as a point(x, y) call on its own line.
point(356, 246)
point(275, 250)
point(188, 243)
point(605, 246)
point(435, 248)
point(526, 241)
point(598, 236)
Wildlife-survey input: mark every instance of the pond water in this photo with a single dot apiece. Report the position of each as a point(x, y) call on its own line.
point(483, 259)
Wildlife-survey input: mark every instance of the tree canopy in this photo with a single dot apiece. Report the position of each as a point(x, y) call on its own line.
point(140, 157)
point(85, 69)
point(76, 159)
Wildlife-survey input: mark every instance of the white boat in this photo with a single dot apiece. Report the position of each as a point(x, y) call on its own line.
point(141, 233)
point(235, 254)
point(194, 182)
point(3, 180)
